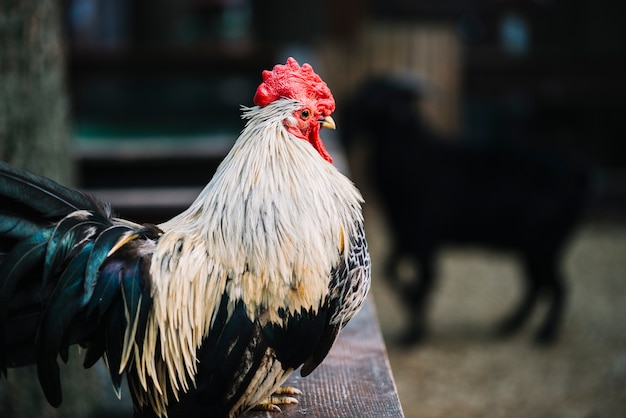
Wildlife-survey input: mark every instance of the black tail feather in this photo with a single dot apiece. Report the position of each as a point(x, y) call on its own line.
point(29, 202)
point(65, 278)
point(46, 197)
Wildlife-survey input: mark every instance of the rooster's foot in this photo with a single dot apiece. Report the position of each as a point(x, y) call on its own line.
point(282, 396)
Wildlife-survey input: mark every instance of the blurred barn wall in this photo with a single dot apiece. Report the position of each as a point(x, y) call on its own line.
point(427, 52)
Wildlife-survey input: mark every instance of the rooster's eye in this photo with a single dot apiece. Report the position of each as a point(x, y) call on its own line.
point(305, 114)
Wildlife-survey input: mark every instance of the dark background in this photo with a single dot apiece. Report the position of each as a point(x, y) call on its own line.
point(546, 72)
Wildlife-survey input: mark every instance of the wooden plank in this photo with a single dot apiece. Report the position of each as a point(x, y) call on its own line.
point(355, 380)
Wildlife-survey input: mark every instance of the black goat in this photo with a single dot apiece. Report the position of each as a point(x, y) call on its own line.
point(503, 196)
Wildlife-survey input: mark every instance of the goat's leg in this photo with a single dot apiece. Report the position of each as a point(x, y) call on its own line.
point(415, 294)
point(520, 315)
point(555, 290)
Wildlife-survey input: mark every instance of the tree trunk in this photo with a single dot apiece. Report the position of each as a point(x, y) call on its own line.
point(35, 134)
point(34, 117)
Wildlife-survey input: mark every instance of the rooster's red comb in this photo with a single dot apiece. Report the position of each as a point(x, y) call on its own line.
point(294, 82)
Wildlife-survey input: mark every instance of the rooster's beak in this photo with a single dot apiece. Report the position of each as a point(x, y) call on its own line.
point(327, 122)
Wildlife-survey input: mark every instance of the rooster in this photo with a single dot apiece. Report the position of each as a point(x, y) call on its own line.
point(206, 314)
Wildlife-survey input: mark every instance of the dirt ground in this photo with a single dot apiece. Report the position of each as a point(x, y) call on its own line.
point(463, 371)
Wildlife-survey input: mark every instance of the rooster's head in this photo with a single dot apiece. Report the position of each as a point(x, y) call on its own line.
point(301, 83)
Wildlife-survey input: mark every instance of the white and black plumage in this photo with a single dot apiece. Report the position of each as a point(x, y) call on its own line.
point(208, 313)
